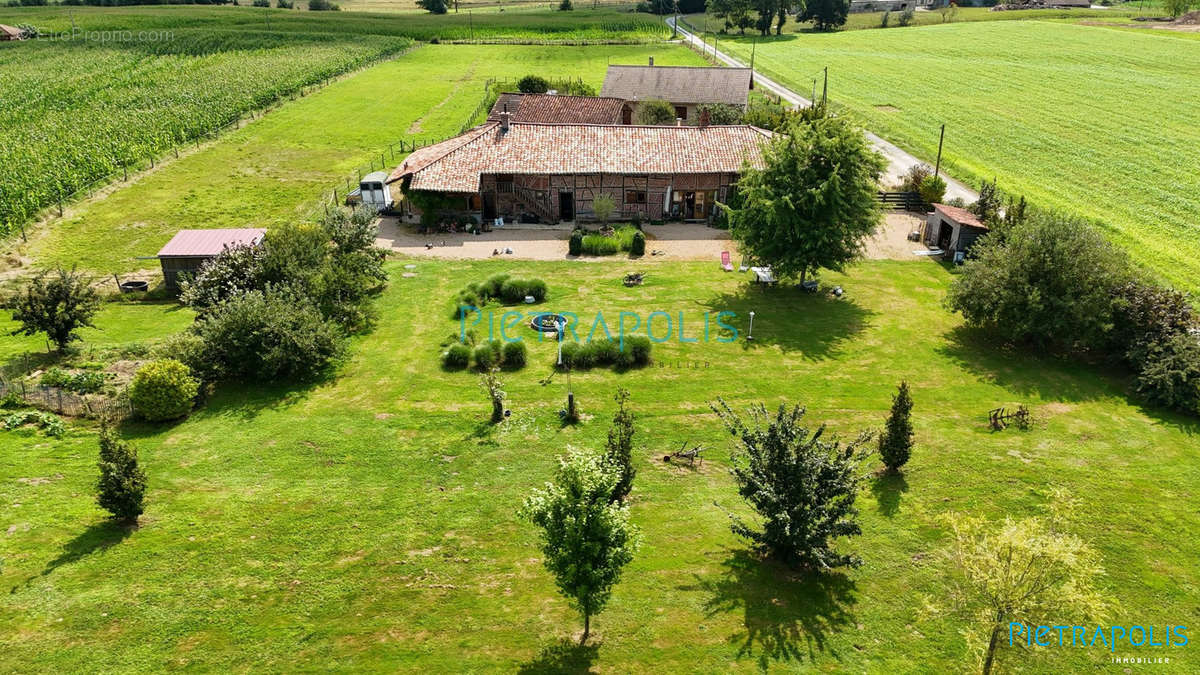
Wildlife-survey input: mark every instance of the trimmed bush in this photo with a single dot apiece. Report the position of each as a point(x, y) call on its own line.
point(188, 349)
point(514, 355)
point(488, 355)
point(606, 352)
point(533, 84)
point(457, 357)
point(575, 244)
point(638, 246)
point(492, 288)
point(639, 346)
point(163, 390)
point(572, 355)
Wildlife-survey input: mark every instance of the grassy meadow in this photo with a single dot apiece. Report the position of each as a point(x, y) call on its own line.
point(277, 167)
point(1097, 121)
point(367, 523)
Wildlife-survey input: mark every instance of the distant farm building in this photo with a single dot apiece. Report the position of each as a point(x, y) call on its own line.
point(533, 172)
point(684, 87)
point(557, 109)
point(8, 33)
point(188, 250)
point(954, 230)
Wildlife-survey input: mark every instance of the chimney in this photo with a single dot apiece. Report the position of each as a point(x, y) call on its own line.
point(678, 121)
point(651, 60)
point(505, 116)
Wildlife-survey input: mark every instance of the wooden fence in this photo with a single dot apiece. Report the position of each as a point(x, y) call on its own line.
point(66, 403)
point(906, 201)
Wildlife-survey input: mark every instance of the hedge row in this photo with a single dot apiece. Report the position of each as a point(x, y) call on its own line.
point(488, 355)
point(607, 352)
point(499, 287)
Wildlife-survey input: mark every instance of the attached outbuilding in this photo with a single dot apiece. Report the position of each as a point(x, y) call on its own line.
point(188, 250)
point(9, 33)
point(954, 230)
point(684, 87)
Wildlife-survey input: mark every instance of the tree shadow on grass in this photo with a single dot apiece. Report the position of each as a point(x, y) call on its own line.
point(562, 656)
point(97, 537)
point(1028, 371)
point(888, 488)
point(816, 325)
point(786, 616)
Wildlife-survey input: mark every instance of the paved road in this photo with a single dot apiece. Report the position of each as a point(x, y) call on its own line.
point(898, 160)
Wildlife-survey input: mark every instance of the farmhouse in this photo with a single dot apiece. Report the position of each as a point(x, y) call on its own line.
point(558, 109)
point(188, 250)
point(954, 230)
point(684, 87)
point(533, 172)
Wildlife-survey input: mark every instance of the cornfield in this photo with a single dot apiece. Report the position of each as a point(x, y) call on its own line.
point(112, 106)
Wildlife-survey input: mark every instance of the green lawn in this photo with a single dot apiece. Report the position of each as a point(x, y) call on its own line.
point(367, 522)
point(117, 323)
point(277, 167)
point(1098, 121)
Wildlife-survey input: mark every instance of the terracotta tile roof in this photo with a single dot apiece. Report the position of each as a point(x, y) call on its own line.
point(678, 84)
point(960, 216)
point(204, 243)
point(587, 148)
point(557, 109)
point(421, 157)
point(11, 31)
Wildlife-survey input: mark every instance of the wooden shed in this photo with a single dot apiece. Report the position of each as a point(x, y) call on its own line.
point(188, 250)
point(9, 33)
point(954, 230)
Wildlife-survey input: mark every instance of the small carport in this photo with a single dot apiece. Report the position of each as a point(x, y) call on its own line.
point(953, 230)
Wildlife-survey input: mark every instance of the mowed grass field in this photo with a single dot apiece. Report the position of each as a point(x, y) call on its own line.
point(367, 522)
point(277, 167)
point(1097, 121)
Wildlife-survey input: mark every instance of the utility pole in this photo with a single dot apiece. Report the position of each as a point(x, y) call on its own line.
point(675, 25)
point(942, 138)
point(825, 90)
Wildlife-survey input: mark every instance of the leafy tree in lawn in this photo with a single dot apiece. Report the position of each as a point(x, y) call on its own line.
point(1049, 281)
point(57, 305)
point(895, 443)
point(433, 6)
point(655, 113)
point(802, 486)
point(494, 389)
point(735, 13)
point(618, 452)
point(121, 489)
point(1029, 571)
point(586, 537)
point(814, 203)
point(353, 271)
point(825, 15)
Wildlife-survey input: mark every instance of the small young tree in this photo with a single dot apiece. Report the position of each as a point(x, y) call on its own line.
point(655, 113)
point(1026, 571)
point(586, 537)
point(814, 203)
point(895, 443)
point(492, 386)
point(803, 487)
point(1176, 8)
point(57, 306)
point(603, 205)
point(618, 452)
point(122, 486)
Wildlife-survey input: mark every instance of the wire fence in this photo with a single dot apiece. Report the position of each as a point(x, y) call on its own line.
point(62, 402)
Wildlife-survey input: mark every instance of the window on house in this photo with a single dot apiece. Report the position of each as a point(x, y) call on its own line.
point(681, 112)
point(504, 182)
point(635, 197)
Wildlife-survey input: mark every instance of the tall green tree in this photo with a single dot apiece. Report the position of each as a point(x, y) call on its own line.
point(433, 6)
point(803, 487)
point(121, 489)
point(825, 15)
point(895, 443)
point(586, 537)
point(618, 452)
point(734, 13)
point(813, 204)
point(57, 305)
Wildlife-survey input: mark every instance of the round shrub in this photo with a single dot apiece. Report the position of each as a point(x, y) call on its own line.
point(514, 355)
point(491, 287)
point(514, 290)
point(572, 355)
point(638, 347)
point(533, 84)
point(575, 243)
point(163, 390)
point(601, 352)
point(638, 246)
point(457, 357)
point(488, 355)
